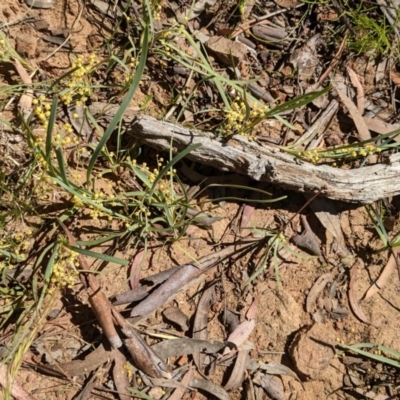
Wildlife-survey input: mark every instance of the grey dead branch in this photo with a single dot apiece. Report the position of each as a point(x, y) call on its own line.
point(269, 164)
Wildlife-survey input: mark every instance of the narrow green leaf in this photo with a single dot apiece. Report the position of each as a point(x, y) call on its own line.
point(124, 105)
point(50, 128)
point(61, 165)
point(99, 256)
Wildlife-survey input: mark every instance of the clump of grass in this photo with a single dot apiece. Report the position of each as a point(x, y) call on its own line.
point(373, 33)
point(237, 116)
point(348, 152)
point(374, 352)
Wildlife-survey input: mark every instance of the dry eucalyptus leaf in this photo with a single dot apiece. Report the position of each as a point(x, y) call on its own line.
point(272, 385)
point(355, 306)
point(316, 289)
point(228, 51)
point(237, 375)
point(361, 126)
point(177, 317)
point(307, 240)
point(395, 76)
point(201, 322)
point(386, 273)
point(275, 368)
point(325, 211)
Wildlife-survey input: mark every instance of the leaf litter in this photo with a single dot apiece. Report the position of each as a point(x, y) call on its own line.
point(273, 66)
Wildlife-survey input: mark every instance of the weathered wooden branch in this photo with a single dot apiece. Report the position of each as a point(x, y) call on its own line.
point(267, 163)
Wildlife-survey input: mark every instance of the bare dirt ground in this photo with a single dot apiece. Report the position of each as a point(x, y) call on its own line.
point(297, 326)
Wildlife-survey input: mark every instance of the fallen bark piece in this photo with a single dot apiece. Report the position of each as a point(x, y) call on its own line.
point(269, 164)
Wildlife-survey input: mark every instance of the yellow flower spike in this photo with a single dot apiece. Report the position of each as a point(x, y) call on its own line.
point(35, 101)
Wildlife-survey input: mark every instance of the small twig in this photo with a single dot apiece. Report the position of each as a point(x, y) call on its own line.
point(334, 60)
point(97, 299)
point(244, 27)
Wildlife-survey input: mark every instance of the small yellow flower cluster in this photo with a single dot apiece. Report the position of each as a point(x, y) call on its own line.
point(65, 272)
point(315, 156)
point(78, 83)
point(94, 210)
point(42, 109)
point(155, 6)
point(2, 49)
point(65, 137)
point(163, 185)
point(128, 370)
point(18, 243)
point(237, 120)
point(133, 63)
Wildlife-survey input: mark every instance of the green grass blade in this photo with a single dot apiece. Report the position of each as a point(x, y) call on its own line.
point(99, 256)
point(61, 166)
point(124, 105)
point(297, 102)
point(168, 167)
point(376, 357)
point(50, 128)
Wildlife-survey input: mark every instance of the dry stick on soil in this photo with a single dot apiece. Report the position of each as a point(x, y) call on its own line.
point(97, 299)
point(245, 26)
point(142, 354)
point(319, 126)
point(145, 358)
point(334, 61)
point(266, 163)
